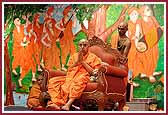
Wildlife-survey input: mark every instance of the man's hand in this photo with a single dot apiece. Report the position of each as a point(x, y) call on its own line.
point(80, 57)
point(79, 60)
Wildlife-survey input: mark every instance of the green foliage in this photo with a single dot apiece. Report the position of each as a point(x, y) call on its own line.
point(13, 10)
point(150, 90)
point(85, 11)
point(79, 36)
point(113, 13)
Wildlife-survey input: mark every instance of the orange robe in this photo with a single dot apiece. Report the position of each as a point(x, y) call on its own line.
point(51, 54)
point(72, 85)
point(33, 98)
point(29, 51)
point(114, 40)
point(133, 63)
point(148, 60)
point(38, 45)
point(66, 42)
point(18, 50)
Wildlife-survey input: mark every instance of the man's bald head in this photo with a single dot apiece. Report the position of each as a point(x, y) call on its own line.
point(123, 25)
point(122, 28)
point(83, 45)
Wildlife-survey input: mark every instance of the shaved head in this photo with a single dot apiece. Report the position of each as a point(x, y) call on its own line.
point(83, 46)
point(123, 25)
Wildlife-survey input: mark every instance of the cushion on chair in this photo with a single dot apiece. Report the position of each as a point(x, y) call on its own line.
point(104, 56)
point(91, 87)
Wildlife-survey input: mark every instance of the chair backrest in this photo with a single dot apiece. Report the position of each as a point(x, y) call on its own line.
point(111, 56)
point(104, 51)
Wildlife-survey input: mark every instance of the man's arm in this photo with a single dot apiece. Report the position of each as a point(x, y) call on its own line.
point(57, 25)
point(43, 42)
point(88, 68)
point(126, 50)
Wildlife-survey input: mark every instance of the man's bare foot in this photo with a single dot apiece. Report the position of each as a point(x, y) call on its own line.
point(20, 83)
point(14, 72)
point(39, 69)
point(135, 84)
point(65, 108)
point(34, 79)
point(157, 73)
point(152, 79)
point(143, 75)
point(53, 107)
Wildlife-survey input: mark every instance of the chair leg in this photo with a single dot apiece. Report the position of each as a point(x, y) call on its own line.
point(101, 104)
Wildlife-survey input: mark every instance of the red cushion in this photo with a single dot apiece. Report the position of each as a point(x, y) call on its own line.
point(91, 87)
point(104, 56)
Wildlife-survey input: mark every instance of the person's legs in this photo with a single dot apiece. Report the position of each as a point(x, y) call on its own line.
point(33, 76)
point(152, 79)
point(14, 72)
point(23, 73)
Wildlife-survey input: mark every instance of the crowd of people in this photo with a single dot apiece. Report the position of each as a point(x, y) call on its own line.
point(34, 43)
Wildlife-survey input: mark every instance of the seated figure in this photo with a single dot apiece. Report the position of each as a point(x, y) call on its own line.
point(34, 95)
point(106, 88)
point(38, 95)
point(65, 90)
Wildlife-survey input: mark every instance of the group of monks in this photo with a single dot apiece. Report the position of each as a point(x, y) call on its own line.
point(39, 45)
point(35, 43)
point(143, 63)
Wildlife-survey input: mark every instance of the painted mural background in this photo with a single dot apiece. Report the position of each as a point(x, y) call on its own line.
point(145, 90)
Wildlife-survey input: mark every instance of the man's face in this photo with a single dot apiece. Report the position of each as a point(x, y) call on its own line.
point(83, 46)
point(40, 79)
point(148, 11)
point(134, 15)
point(122, 28)
point(17, 21)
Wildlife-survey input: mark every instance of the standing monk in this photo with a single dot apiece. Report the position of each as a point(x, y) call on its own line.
point(38, 29)
point(133, 29)
point(149, 58)
point(64, 90)
point(18, 47)
point(30, 51)
point(121, 41)
point(66, 41)
point(51, 53)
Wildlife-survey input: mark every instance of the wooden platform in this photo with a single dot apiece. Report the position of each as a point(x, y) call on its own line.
point(140, 104)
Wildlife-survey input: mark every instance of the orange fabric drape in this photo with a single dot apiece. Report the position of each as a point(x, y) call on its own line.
point(149, 58)
point(38, 29)
point(133, 60)
point(72, 85)
point(51, 54)
point(18, 50)
point(66, 42)
point(114, 40)
point(28, 52)
point(33, 98)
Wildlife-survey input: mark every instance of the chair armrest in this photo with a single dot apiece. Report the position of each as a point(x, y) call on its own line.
point(116, 71)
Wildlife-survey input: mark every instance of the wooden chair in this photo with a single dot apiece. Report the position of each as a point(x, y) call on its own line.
point(108, 91)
